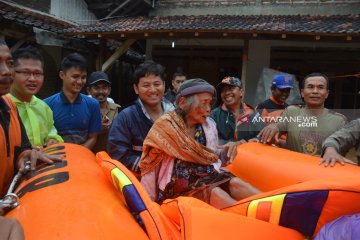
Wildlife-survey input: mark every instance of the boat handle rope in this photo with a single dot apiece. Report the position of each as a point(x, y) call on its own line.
point(11, 200)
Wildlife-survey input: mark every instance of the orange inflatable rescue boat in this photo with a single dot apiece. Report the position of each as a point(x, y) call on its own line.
point(88, 197)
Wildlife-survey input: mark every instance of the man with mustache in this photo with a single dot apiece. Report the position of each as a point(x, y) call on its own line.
point(234, 118)
point(35, 114)
point(99, 87)
point(77, 117)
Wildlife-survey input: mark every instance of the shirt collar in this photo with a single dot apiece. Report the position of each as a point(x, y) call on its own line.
point(3, 105)
point(224, 108)
point(166, 106)
point(276, 102)
point(112, 106)
point(64, 99)
point(18, 101)
point(144, 110)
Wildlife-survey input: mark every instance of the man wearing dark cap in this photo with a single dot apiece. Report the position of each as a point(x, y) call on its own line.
point(233, 117)
point(99, 87)
point(272, 108)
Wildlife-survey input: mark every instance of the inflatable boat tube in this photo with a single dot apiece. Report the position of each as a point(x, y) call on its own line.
point(306, 196)
point(73, 200)
point(268, 168)
point(185, 217)
point(305, 207)
point(84, 197)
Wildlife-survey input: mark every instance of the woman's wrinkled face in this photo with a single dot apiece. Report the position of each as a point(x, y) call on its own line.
point(200, 108)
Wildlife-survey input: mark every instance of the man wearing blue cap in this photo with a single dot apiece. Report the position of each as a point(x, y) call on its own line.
point(272, 108)
point(306, 127)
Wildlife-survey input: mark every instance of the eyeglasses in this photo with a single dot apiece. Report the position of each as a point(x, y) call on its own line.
point(28, 74)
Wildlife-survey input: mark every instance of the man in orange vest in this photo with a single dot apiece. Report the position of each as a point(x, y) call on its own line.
point(15, 148)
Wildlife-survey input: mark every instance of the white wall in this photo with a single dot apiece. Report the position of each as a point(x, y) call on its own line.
point(73, 10)
point(255, 7)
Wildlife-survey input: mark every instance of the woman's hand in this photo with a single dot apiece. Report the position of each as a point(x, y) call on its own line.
point(231, 148)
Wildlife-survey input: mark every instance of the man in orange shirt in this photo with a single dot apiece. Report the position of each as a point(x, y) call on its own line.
point(272, 108)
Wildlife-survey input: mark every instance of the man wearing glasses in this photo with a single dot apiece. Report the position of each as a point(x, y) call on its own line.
point(177, 80)
point(35, 114)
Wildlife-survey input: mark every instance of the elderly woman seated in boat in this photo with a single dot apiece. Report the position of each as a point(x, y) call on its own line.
point(181, 156)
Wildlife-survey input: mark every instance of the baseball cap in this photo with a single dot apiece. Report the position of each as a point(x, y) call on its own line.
point(232, 81)
point(98, 76)
point(282, 81)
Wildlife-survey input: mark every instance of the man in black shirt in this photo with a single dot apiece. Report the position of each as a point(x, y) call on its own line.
point(177, 80)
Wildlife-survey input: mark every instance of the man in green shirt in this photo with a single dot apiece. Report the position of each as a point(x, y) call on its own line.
point(308, 126)
point(35, 114)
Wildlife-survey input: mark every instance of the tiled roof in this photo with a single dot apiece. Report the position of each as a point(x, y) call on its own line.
point(29, 17)
point(202, 3)
point(338, 24)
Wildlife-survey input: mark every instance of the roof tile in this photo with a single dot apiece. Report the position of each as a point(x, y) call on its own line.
point(288, 23)
point(35, 19)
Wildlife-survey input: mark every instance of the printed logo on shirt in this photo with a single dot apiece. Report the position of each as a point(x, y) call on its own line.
point(243, 120)
point(311, 142)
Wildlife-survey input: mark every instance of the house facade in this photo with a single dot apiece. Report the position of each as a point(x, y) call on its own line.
point(298, 53)
point(207, 39)
point(41, 22)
